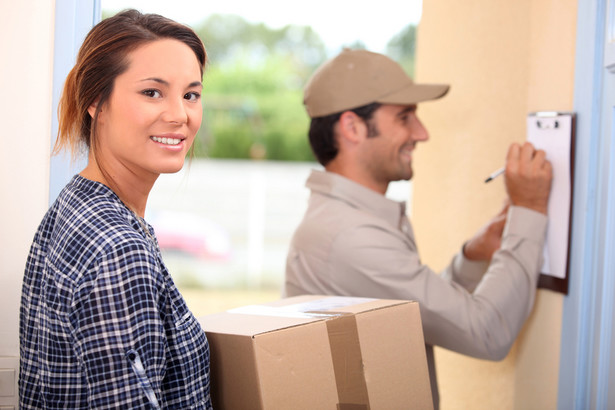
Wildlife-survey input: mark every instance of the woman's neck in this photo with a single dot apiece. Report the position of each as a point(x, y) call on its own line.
point(133, 190)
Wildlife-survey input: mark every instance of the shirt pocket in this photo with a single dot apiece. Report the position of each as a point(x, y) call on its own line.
point(182, 317)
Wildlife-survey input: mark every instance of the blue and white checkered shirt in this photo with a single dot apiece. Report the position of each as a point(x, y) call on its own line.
point(102, 324)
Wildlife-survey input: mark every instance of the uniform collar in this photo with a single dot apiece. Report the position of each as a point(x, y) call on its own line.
point(356, 195)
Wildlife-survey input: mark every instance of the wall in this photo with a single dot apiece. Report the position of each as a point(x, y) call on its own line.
point(26, 29)
point(503, 60)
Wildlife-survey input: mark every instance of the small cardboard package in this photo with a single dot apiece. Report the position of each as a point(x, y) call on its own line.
point(319, 352)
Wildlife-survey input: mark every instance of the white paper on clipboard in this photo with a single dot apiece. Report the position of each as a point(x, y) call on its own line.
point(552, 132)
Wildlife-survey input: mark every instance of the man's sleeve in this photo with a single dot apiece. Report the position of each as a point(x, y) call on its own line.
point(468, 273)
point(372, 261)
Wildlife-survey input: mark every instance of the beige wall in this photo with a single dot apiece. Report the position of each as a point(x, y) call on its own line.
point(26, 30)
point(503, 60)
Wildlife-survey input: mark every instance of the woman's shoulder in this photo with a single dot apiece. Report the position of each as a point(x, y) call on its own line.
point(84, 203)
point(90, 218)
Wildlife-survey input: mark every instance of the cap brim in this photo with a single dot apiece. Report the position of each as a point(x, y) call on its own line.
point(415, 93)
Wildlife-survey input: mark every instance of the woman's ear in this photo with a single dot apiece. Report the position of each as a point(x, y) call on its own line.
point(92, 108)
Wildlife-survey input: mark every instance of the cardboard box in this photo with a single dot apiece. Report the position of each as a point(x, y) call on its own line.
point(319, 352)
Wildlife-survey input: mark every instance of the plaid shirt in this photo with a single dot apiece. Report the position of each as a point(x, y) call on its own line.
point(102, 324)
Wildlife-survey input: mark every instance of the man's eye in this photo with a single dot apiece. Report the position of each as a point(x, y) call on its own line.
point(151, 93)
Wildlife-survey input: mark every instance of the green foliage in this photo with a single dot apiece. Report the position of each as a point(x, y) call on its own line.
point(228, 38)
point(248, 109)
point(252, 98)
point(402, 47)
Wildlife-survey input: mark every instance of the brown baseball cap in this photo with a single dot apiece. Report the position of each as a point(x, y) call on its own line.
point(359, 77)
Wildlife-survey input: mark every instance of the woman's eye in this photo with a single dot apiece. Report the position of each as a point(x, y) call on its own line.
point(151, 93)
point(192, 96)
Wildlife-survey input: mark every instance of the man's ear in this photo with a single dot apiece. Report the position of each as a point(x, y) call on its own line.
point(352, 127)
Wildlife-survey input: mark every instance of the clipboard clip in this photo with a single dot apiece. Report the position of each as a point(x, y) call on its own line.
point(547, 120)
point(546, 125)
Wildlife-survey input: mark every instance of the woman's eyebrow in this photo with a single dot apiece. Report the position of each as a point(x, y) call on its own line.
point(166, 83)
point(156, 79)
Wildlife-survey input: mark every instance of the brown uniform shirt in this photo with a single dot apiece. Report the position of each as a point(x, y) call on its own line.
point(353, 241)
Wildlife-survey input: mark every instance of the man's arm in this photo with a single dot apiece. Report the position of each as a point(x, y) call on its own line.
point(372, 261)
point(528, 182)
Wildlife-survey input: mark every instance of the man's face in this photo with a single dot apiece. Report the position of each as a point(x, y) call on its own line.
point(387, 156)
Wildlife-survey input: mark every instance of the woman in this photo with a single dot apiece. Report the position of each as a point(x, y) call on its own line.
point(102, 324)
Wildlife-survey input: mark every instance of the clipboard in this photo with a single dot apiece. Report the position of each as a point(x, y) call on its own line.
point(554, 132)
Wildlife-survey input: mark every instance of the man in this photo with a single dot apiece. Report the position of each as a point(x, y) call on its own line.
point(353, 241)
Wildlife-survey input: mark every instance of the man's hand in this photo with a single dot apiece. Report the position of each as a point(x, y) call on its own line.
point(528, 177)
point(488, 239)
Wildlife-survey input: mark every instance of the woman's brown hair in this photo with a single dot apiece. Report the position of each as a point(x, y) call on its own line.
point(102, 57)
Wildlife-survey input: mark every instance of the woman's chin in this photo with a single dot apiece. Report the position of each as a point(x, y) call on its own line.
point(171, 168)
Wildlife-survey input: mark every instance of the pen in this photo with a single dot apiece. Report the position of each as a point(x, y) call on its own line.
point(495, 174)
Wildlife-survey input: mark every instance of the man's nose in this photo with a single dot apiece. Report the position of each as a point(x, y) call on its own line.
point(418, 130)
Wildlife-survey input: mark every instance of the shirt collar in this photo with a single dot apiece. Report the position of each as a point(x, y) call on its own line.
point(356, 195)
point(95, 187)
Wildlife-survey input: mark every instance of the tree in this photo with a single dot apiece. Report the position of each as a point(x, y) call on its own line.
point(228, 37)
point(402, 48)
point(253, 89)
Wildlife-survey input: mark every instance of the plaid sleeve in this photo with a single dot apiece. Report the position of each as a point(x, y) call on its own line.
point(115, 317)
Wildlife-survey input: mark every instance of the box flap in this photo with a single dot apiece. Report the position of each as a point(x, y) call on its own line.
point(323, 303)
point(244, 323)
point(289, 312)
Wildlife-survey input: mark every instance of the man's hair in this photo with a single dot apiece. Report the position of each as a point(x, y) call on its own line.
point(322, 134)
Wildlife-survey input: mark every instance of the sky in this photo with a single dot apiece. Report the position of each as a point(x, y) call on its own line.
point(338, 22)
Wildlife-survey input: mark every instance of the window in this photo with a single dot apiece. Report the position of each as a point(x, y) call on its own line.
point(224, 222)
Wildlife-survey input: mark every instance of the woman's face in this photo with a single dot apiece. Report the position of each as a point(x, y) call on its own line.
point(154, 112)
